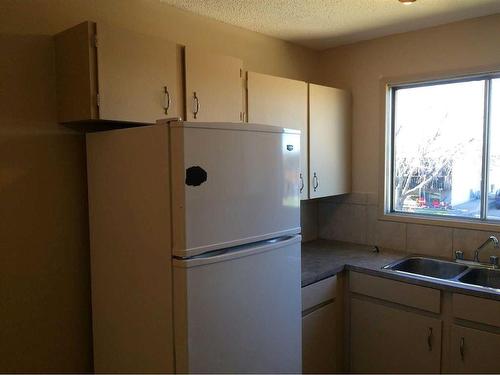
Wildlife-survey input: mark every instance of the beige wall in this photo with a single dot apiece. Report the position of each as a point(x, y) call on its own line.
point(45, 322)
point(259, 52)
point(467, 45)
point(44, 282)
point(44, 257)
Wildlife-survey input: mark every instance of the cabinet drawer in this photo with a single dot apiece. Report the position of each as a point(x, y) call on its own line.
point(394, 291)
point(476, 309)
point(319, 292)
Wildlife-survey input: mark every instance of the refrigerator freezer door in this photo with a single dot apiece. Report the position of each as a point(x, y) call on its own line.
point(232, 184)
point(240, 311)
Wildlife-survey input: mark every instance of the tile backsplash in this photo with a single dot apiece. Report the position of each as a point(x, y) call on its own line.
point(309, 220)
point(354, 218)
point(429, 240)
point(343, 221)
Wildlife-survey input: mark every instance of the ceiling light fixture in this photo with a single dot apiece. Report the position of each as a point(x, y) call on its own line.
point(407, 2)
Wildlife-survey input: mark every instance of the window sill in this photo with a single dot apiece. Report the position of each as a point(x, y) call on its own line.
point(450, 222)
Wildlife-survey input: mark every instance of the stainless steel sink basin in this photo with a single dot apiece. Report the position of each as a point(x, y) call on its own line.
point(475, 275)
point(482, 277)
point(429, 267)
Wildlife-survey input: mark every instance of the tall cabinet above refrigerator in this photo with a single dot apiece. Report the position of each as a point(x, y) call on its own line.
point(195, 248)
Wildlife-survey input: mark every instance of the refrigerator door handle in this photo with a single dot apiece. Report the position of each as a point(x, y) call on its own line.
point(235, 252)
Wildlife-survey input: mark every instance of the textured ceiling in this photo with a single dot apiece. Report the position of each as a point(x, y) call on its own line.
point(322, 24)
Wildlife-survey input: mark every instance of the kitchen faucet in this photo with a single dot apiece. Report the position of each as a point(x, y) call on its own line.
point(491, 239)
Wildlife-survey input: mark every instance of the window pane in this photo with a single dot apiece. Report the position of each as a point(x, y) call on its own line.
point(438, 140)
point(494, 166)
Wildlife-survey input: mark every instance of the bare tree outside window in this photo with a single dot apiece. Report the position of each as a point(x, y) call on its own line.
point(438, 141)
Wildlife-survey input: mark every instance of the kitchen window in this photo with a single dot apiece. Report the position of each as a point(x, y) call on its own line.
point(444, 147)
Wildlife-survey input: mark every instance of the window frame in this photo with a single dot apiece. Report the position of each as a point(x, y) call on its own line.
point(387, 211)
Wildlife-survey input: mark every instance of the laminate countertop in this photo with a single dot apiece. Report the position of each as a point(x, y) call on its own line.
point(322, 259)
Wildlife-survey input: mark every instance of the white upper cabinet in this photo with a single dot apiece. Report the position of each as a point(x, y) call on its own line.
point(214, 87)
point(105, 73)
point(323, 116)
point(138, 76)
point(280, 102)
point(329, 141)
point(113, 74)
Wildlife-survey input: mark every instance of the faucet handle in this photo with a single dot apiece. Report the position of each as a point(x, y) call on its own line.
point(494, 261)
point(459, 255)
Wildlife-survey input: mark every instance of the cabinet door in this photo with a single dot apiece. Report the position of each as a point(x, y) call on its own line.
point(76, 74)
point(474, 351)
point(133, 72)
point(281, 102)
point(318, 341)
point(389, 340)
point(214, 87)
point(329, 141)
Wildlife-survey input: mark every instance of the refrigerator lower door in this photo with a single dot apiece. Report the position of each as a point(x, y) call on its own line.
point(239, 311)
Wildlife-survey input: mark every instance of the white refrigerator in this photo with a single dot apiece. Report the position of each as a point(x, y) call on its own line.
point(195, 248)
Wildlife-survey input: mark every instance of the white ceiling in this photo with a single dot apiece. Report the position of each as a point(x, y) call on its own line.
point(322, 24)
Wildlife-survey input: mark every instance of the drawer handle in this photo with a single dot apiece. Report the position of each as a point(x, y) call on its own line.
point(429, 339)
point(462, 348)
point(301, 183)
point(166, 104)
point(196, 105)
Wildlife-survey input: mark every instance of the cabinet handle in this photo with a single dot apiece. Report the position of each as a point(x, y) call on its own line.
point(166, 104)
point(462, 348)
point(301, 183)
point(429, 339)
point(196, 105)
point(315, 181)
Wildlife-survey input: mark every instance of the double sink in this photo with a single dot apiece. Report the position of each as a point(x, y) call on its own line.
point(474, 274)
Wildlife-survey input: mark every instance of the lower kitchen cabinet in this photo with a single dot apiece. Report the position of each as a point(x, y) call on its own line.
point(319, 340)
point(474, 351)
point(389, 340)
point(320, 330)
point(396, 327)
